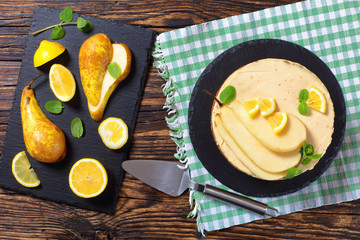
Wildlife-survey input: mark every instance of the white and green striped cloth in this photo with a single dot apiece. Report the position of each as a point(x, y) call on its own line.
point(328, 28)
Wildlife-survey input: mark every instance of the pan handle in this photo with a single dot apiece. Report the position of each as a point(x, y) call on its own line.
point(240, 201)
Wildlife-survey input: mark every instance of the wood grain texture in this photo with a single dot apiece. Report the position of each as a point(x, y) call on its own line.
point(141, 212)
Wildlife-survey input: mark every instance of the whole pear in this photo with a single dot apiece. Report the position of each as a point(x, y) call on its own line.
point(44, 141)
point(94, 57)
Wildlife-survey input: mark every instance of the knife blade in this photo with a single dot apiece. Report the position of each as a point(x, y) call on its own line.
point(170, 178)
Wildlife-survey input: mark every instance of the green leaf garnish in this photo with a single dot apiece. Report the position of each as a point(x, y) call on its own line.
point(306, 161)
point(54, 106)
point(303, 108)
point(292, 172)
point(81, 23)
point(57, 33)
point(77, 128)
point(228, 94)
point(309, 150)
point(66, 15)
point(114, 69)
point(307, 154)
point(303, 95)
point(84, 25)
point(88, 27)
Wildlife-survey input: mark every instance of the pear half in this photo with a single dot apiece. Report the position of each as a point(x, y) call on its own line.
point(122, 56)
point(94, 57)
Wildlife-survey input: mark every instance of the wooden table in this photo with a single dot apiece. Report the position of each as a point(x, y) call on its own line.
point(141, 212)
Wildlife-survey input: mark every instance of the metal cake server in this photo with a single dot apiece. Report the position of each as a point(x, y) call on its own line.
point(169, 178)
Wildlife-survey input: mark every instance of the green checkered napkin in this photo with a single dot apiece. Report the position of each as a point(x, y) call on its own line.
point(331, 30)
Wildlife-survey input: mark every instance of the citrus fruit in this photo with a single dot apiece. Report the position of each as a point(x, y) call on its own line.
point(267, 106)
point(62, 82)
point(113, 132)
point(316, 100)
point(278, 121)
point(23, 172)
point(252, 106)
point(88, 178)
point(46, 52)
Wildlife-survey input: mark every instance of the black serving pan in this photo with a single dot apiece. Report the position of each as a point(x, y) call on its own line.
point(201, 104)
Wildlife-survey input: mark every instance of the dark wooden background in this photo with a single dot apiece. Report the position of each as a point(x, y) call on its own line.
point(141, 212)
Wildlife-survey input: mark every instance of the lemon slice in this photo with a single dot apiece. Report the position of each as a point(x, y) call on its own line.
point(88, 178)
point(23, 172)
point(62, 82)
point(252, 107)
point(46, 52)
point(316, 100)
point(113, 132)
point(267, 106)
point(278, 121)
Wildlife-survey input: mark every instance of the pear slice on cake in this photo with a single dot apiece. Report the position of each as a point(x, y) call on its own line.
point(96, 53)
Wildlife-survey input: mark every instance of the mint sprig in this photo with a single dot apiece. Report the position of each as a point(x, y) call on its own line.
point(303, 107)
point(66, 17)
point(307, 154)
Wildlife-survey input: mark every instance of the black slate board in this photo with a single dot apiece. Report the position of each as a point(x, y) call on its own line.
point(124, 103)
point(201, 104)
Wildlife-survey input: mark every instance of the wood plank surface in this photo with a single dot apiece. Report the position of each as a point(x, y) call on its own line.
point(141, 212)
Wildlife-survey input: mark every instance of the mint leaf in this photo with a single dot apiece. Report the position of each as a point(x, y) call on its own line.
point(57, 33)
point(228, 94)
point(84, 25)
point(292, 172)
point(317, 156)
point(309, 150)
point(81, 22)
point(66, 15)
point(77, 128)
point(54, 106)
point(303, 108)
point(303, 95)
point(306, 161)
point(114, 69)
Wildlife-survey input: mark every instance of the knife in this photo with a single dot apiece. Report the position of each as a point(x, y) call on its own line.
point(170, 178)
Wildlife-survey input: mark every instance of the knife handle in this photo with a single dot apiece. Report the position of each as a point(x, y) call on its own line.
point(240, 201)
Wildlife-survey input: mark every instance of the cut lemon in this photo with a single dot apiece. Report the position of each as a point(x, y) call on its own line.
point(62, 82)
point(113, 132)
point(23, 172)
point(46, 52)
point(278, 121)
point(267, 106)
point(88, 178)
point(252, 106)
point(316, 100)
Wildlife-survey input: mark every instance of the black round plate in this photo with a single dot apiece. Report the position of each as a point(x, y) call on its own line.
point(200, 114)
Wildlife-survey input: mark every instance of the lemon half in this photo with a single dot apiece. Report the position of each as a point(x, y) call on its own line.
point(46, 52)
point(23, 172)
point(62, 82)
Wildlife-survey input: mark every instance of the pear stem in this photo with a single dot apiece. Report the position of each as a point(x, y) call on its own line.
point(209, 93)
point(31, 82)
